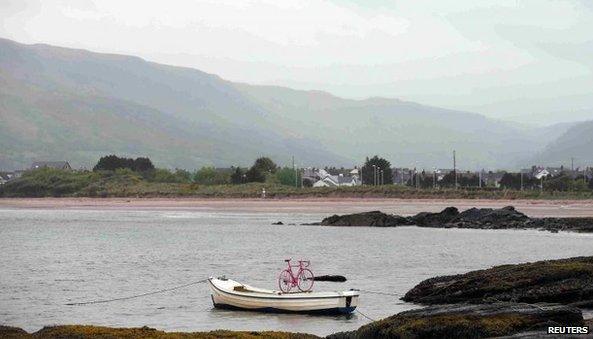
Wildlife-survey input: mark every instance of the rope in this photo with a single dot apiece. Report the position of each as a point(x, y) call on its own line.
point(382, 293)
point(364, 315)
point(137, 295)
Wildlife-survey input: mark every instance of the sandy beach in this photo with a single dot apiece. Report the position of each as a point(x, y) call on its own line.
point(533, 208)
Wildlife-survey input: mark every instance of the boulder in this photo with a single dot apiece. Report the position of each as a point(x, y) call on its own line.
point(563, 281)
point(506, 217)
point(468, 321)
point(373, 218)
point(440, 219)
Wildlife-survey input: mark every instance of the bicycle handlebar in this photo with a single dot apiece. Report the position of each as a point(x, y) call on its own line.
point(304, 263)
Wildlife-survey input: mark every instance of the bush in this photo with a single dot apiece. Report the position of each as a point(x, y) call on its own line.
point(45, 182)
point(211, 176)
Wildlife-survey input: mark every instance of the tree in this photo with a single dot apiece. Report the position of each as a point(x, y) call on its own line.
point(142, 165)
point(211, 176)
point(265, 164)
point(380, 164)
point(307, 182)
point(113, 162)
point(286, 176)
point(261, 168)
point(238, 176)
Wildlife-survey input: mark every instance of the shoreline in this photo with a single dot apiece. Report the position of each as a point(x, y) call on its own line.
point(532, 208)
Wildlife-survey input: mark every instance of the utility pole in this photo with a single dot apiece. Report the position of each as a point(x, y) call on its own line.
point(374, 175)
point(521, 180)
point(455, 168)
point(480, 179)
point(361, 182)
point(381, 177)
point(434, 178)
point(296, 177)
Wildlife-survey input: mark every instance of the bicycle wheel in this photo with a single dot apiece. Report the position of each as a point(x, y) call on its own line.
point(305, 280)
point(285, 281)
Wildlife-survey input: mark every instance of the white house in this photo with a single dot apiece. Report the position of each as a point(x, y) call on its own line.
point(328, 180)
point(541, 174)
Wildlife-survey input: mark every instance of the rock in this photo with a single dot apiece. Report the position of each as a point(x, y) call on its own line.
point(435, 219)
point(333, 278)
point(468, 321)
point(484, 218)
point(562, 281)
point(562, 224)
point(373, 218)
point(500, 218)
point(10, 332)
point(278, 223)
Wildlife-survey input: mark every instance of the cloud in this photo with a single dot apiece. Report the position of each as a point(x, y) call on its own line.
point(367, 46)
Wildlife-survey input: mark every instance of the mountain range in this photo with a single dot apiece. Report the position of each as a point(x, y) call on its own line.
point(67, 104)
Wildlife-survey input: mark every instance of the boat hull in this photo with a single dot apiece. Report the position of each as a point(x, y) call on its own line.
point(224, 296)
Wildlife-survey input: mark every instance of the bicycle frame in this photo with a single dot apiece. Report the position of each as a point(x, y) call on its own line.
point(302, 279)
point(301, 266)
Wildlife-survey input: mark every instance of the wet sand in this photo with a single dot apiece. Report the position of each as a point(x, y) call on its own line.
point(533, 208)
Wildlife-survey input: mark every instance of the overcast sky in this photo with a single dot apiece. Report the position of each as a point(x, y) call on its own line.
point(530, 61)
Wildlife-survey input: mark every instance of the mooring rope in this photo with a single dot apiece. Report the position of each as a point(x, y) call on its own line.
point(364, 315)
point(382, 293)
point(137, 295)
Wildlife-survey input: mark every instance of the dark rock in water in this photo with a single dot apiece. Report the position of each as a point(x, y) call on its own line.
point(563, 281)
point(562, 224)
point(278, 223)
point(334, 278)
point(487, 216)
point(435, 219)
point(468, 321)
point(484, 218)
point(373, 218)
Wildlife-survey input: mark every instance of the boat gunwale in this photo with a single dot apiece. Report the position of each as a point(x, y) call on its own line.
point(281, 296)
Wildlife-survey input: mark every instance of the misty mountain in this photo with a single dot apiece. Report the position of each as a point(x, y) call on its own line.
point(58, 103)
point(576, 142)
point(67, 104)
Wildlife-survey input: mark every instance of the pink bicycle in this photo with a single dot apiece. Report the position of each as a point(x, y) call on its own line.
point(303, 279)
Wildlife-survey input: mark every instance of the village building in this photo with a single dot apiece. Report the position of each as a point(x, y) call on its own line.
point(61, 165)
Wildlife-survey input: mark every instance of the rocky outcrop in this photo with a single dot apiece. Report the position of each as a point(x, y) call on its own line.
point(373, 218)
point(482, 218)
point(566, 281)
point(439, 219)
point(468, 321)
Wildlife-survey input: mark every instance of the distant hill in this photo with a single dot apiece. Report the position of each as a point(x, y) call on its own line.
point(66, 104)
point(58, 103)
point(576, 142)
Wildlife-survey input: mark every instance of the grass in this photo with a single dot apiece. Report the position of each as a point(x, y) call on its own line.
point(100, 332)
point(55, 183)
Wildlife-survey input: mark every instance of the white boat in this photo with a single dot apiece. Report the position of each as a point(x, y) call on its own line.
point(227, 293)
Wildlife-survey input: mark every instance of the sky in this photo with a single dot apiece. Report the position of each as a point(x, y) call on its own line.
point(529, 61)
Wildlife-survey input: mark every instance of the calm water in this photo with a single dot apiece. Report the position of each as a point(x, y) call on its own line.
point(52, 257)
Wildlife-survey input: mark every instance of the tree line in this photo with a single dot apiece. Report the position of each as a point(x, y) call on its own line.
point(262, 170)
